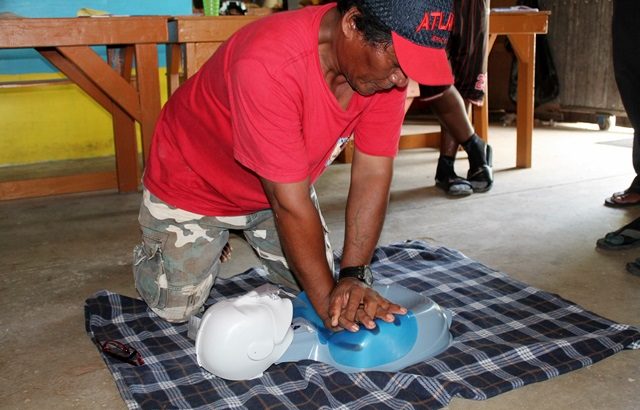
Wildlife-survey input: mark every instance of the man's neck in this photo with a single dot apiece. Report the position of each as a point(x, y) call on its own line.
point(329, 36)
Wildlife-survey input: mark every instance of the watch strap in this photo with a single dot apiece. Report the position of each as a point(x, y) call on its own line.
point(361, 272)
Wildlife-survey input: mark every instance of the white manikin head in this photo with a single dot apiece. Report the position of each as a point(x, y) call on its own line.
point(240, 338)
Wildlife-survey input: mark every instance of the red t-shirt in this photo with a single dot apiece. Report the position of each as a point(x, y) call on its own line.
point(260, 106)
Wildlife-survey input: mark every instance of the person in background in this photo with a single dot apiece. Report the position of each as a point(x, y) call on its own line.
point(625, 36)
point(240, 144)
point(451, 104)
point(626, 67)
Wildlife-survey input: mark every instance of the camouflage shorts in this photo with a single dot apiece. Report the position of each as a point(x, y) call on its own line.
point(179, 257)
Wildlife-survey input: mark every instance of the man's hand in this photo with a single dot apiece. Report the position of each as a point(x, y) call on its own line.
point(353, 302)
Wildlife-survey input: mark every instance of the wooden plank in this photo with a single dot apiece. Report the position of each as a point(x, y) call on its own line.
point(525, 47)
point(125, 143)
point(77, 76)
point(521, 23)
point(174, 63)
point(346, 156)
point(149, 92)
point(120, 59)
point(125, 139)
point(480, 119)
point(198, 38)
point(107, 79)
point(196, 54)
point(188, 29)
point(45, 32)
point(202, 52)
point(422, 140)
point(32, 83)
point(408, 141)
point(30, 188)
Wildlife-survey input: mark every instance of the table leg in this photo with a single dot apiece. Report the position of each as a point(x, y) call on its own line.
point(525, 50)
point(480, 114)
point(480, 119)
point(174, 61)
point(124, 127)
point(149, 92)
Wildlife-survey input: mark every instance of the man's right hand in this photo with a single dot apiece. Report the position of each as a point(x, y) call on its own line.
point(352, 303)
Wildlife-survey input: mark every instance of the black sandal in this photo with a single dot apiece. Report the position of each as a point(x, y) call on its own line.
point(634, 267)
point(481, 178)
point(455, 186)
point(626, 237)
point(449, 181)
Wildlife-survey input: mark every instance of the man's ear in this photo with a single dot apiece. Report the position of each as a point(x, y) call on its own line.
point(348, 23)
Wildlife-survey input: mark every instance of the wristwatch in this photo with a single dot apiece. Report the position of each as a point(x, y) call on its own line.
point(362, 273)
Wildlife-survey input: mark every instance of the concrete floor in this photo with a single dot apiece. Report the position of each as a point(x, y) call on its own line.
point(539, 225)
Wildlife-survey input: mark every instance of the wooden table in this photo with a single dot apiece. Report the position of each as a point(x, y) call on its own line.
point(193, 39)
point(521, 28)
point(65, 42)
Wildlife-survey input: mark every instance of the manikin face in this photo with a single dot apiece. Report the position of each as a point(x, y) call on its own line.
point(239, 338)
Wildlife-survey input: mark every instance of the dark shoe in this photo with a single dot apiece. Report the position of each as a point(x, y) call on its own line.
point(623, 199)
point(455, 186)
point(634, 267)
point(626, 237)
point(449, 181)
point(481, 177)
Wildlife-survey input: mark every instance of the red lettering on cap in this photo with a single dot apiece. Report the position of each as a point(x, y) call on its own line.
point(436, 20)
point(438, 39)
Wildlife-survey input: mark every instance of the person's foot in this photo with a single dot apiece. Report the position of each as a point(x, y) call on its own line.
point(626, 237)
point(480, 174)
point(449, 181)
point(623, 199)
point(634, 267)
point(454, 186)
point(225, 256)
point(481, 179)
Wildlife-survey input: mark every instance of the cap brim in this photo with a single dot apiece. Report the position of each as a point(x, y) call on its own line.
point(426, 65)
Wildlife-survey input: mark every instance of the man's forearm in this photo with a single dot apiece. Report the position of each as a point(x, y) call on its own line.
point(302, 238)
point(366, 207)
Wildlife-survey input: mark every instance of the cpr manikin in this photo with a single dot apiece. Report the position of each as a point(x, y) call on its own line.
point(239, 338)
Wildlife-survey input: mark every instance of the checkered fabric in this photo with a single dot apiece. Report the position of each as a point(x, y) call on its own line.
point(506, 335)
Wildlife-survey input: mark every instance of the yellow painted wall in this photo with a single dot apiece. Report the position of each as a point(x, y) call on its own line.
point(53, 122)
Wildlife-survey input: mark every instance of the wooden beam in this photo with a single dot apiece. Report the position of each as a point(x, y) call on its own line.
point(199, 29)
point(73, 31)
point(107, 79)
point(30, 188)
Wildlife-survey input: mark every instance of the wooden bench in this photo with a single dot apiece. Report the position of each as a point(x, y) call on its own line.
point(65, 42)
point(193, 39)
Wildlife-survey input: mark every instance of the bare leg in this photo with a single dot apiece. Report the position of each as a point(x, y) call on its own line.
point(448, 145)
point(452, 111)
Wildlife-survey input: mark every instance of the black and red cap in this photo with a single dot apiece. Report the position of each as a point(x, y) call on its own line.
point(420, 30)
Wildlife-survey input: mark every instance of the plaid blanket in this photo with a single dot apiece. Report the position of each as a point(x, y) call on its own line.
point(506, 335)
